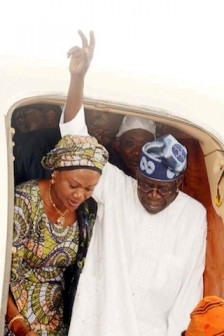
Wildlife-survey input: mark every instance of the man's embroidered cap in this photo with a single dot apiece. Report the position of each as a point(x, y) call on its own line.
point(207, 319)
point(164, 159)
point(76, 152)
point(131, 122)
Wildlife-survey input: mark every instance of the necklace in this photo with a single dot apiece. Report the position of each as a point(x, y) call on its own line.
point(61, 219)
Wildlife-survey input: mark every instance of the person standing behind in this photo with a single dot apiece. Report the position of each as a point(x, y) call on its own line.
point(143, 273)
point(133, 133)
point(103, 126)
point(36, 133)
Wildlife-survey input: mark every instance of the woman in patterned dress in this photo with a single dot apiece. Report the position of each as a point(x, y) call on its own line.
point(53, 221)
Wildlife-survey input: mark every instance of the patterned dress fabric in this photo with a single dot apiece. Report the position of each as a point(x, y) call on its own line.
point(41, 252)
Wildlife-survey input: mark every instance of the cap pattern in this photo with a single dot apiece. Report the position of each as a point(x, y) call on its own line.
point(164, 159)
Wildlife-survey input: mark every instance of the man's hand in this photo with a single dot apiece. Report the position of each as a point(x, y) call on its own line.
point(79, 64)
point(81, 57)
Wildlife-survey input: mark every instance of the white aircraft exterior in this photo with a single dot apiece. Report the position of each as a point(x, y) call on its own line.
point(189, 109)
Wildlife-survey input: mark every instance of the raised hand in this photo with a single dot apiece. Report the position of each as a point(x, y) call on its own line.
point(79, 64)
point(81, 56)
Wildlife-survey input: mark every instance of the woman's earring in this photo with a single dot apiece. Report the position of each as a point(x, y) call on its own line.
point(53, 178)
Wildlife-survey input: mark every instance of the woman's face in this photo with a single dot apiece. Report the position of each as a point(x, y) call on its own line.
point(73, 187)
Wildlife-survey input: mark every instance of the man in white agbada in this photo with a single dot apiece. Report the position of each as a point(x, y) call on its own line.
point(144, 267)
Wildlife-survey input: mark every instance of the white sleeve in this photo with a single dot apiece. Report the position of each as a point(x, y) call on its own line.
point(192, 287)
point(110, 183)
point(76, 126)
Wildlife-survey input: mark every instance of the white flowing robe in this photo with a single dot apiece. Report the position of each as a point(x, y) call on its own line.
point(143, 272)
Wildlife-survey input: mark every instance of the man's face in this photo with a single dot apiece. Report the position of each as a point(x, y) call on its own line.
point(102, 125)
point(130, 145)
point(30, 120)
point(34, 119)
point(156, 195)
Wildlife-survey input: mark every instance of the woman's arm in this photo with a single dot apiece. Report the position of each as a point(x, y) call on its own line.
point(15, 320)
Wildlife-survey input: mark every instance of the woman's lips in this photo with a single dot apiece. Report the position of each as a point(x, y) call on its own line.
point(74, 203)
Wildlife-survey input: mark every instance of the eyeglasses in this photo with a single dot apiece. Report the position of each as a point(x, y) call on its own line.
point(162, 190)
